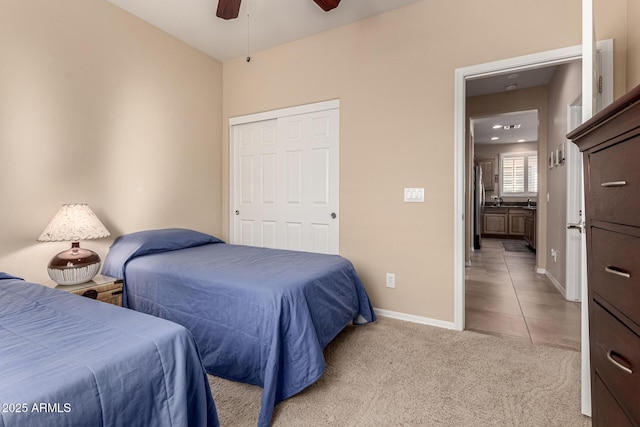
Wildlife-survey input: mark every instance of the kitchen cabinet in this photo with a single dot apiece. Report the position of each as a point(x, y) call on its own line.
point(495, 221)
point(488, 170)
point(530, 227)
point(506, 221)
point(516, 221)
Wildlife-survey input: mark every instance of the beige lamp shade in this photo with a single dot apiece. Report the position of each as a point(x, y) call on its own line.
point(72, 223)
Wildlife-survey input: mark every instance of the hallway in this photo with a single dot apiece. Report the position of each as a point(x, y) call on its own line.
point(506, 297)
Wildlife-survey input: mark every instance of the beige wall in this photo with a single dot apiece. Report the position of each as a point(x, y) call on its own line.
point(564, 88)
point(139, 116)
point(535, 98)
point(97, 106)
point(394, 76)
point(633, 44)
point(610, 22)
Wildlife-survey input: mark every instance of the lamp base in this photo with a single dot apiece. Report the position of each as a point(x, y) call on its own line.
point(74, 266)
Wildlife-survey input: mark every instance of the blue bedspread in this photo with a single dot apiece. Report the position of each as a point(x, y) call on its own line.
point(72, 361)
point(259, 316)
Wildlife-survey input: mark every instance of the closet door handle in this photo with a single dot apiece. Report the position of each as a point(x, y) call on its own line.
point(618, 364)
point(614, 184)
point(617, 271)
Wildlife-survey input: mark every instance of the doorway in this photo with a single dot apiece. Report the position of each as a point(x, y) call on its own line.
point(506, 293)
point(461, 158)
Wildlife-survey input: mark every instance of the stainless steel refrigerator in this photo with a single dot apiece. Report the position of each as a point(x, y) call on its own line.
point(478, 207)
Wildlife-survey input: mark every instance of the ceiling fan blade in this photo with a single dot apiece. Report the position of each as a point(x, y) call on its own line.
point(327, 5)
point(228, 9)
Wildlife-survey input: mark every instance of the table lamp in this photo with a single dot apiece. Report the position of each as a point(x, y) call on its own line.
point(72, 223)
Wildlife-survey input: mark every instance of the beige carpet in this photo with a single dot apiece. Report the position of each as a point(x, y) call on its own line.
point(395, 373)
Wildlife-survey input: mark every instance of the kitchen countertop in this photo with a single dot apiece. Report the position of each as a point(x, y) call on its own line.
point(533, 208)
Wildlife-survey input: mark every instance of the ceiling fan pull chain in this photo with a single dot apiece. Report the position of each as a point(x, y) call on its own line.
point(248, 34)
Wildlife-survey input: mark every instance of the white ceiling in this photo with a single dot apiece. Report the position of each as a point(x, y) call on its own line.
point(270, 22)
point(522, 79)
point(483, 128)
point(263, 24)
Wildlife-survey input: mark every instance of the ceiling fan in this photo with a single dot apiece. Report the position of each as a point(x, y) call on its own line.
point(229, 9)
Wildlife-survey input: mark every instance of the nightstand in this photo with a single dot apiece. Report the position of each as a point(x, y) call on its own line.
point(102, 288)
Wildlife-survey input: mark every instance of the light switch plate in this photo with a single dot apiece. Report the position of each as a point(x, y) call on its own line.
point(414, 195)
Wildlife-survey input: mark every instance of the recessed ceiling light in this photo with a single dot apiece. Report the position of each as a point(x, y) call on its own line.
point(497, 126)
point(512, 86)
point(512, 76)
point(495, 138)
point(521, 140)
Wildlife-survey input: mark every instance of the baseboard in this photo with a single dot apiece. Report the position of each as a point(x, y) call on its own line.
point(541, 270)
point(415, 319)
point(557, 284)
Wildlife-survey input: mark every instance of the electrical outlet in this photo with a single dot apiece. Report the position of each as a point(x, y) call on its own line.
point(554, 254)
point(391, 280)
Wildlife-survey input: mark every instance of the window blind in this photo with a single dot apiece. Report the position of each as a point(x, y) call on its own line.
point(519, 174)
point(513, 175)
point(532, 166)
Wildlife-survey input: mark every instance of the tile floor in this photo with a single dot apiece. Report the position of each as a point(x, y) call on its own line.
point(506, 297)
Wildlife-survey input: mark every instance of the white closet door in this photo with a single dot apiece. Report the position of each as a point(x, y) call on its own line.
point(285, 182)
point(255, 184)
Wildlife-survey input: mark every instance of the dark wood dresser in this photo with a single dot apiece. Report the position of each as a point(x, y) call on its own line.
point(610, 142)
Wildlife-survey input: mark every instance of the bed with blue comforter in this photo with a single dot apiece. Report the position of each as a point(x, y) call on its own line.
point(66, 360)
point(259, 316)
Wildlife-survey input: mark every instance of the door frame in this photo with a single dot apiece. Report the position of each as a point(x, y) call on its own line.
point(548, 58)
point(576, 114)
point(315, 107)
point(575, 202)
point(537, 60)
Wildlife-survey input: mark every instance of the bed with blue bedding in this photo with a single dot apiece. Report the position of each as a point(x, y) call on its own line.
point(72, 361)
point(259, 316)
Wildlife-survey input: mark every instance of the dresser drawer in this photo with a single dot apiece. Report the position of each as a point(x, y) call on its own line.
point(615, 270)
point(607, 412)
point(614, 182)
point(615, 353)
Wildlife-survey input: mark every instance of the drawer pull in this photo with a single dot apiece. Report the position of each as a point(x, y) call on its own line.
point(614, 184)
point(617, 271)
point(91, 293)
point(618, 364)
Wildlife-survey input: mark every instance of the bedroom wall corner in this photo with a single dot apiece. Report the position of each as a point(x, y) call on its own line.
point(100, 107)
